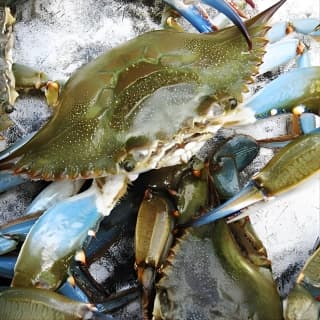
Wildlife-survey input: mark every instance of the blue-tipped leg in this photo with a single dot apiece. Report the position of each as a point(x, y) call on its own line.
point(192, 14)
point(201, 23)
point(232, 14)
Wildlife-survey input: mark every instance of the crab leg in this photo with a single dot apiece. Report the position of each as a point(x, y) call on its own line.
point(304, 26)
point(303, 154)
point(16, 303)
point(299, 86)
point(201, 23)
point(281, 53)
point(63, 230)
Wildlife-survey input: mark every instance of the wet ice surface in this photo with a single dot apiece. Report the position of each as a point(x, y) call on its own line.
point(59, 36)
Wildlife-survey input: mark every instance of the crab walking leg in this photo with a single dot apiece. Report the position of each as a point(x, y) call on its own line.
point(191, 13)
point(292, 165)
point(38, 304)
point(28, 78)
point(61, 232)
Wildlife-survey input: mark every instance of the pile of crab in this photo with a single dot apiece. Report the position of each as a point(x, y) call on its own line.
point(127, 155)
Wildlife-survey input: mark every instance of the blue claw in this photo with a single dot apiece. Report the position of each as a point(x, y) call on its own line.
point(231, 13)
point(306, 26)
point(277, 32)
point(297, 87)
point(303, 60)
point(62, 229)
point(278, 54)
point(247, 196)
point(192, 14)
point(201, 23)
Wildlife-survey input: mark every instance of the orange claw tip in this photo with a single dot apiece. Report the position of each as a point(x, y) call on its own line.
point(300, 48)
point(80, 256)
point(176, 213)
point(71, 281)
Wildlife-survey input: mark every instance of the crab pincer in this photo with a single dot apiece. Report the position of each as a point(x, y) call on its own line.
point(201, 23)
point(290, 166)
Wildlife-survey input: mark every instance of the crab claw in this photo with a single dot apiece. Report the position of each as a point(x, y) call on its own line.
point(282, 173)
point(249, 195)
point(297, 87)
point(201, 23)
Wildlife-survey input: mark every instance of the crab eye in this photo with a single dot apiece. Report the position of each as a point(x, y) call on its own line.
point(129, 165)
point(233, 103)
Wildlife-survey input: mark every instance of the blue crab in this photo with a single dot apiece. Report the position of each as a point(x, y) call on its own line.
point(132, 148)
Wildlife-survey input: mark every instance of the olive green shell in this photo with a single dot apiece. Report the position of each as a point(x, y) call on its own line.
point(103, 112)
